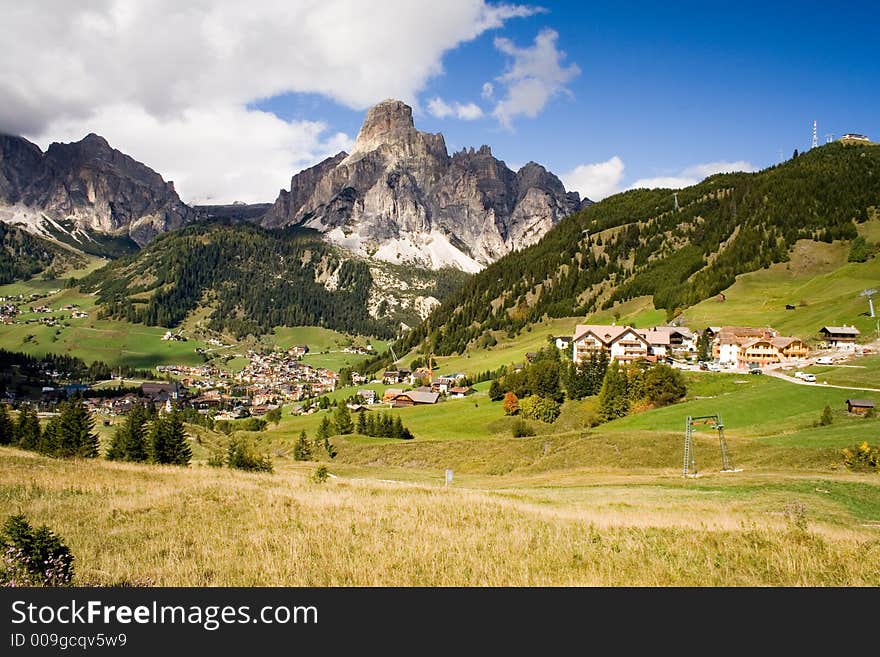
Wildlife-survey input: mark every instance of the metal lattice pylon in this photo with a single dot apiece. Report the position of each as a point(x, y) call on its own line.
point(689, 467)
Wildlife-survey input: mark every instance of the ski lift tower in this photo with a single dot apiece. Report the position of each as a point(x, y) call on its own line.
point(713, 421)
point(870, 294)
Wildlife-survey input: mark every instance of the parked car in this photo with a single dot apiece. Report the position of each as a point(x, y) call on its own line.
point(809, 378)
point(825, 360)
point(799, 375)
point(755, 370)
point(704, 366)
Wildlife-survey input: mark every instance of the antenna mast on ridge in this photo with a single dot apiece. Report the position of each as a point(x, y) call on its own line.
point(815, 136)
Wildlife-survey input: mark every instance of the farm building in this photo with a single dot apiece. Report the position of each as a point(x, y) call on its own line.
point(840, 337)
point(859, 406)
point(415, 398)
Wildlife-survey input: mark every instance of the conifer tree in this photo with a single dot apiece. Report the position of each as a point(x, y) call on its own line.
point(168, 440)
point(343, 420)
point(7, 427)
point(613, 397)
point(362, 423)
point(27, 429)
point(76, 430)
point(130, 438)
point(302, 451)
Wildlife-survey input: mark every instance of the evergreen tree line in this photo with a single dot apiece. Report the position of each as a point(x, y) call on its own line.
point(627, 385)
point(71, 368)
point(68, 434)
point(144, 436)
point(636, 243)
point(257, 278)
point(23, 255)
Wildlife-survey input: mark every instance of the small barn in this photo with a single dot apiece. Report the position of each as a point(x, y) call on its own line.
point(859, 406)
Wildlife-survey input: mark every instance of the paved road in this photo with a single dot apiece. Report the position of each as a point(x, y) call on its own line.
point(791, 379)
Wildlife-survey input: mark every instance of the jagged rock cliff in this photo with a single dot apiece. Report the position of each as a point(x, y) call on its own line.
point(400, 197)
point(83, 188)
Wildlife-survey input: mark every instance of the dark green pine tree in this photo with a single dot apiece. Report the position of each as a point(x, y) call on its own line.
point(130, 438)
point(168, 440)
point(362, 423)
point(7, 427)
point(614, 396)
point(75, 434)
point(27, 429)
point(343, 420)
point(302, 451)
point(496, 392)
point(49, 442)
point(325, 429)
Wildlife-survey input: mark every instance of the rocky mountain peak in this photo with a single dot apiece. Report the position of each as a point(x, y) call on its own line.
point(389, 128)
point(400, 197)
point(88, 185)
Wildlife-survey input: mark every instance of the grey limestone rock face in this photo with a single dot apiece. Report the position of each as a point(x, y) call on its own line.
point(399, 196)
point(92, 185)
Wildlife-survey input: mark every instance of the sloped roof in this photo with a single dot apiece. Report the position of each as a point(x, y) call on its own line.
point(864, 403)
point(841, 330)
point(603, 332)
point(781, 342)
point(420, 397)
point(656, 337)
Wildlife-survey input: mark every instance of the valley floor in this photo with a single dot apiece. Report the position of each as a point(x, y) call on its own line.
point(572, 506)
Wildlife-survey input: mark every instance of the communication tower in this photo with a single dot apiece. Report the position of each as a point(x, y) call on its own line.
point(815, 135)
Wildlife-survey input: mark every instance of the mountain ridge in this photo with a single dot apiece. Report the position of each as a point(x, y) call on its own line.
point(84, 190)
point(400, 197)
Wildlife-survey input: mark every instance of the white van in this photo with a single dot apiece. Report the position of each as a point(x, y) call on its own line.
point(825, 360)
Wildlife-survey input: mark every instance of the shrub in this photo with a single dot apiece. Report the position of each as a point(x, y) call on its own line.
point(320, 475)
point(510, 404)
point(241, 457)
point(539, 408)
point(826, 418)
point(522, 429)
point(862, 458)
point(33, 557)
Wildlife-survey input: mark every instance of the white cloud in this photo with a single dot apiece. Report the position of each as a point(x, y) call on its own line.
point(488, 90)
point(532, 78)
point(214, 154)
point(595, 181)
point(602, 179)
point(67, 65)
point(702, 171)
point(665, 182)
point(691, 175)
point(441, 109)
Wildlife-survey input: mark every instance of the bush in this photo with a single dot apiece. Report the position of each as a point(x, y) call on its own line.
point(320, 475)
point(33, 557)
point(522, 429)
point(862, 458)
point(241, 457)
point(539, 408)
point(826, 418)
point(510, 404)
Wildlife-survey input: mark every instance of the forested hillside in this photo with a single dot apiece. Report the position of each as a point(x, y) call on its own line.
point(636, 243)
point(253, 279)
point(23, 255)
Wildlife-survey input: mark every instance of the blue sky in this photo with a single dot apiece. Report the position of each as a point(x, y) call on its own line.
point(606, 95)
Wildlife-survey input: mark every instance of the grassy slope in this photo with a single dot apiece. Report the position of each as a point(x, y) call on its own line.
point(818, 275)
point(170, 526)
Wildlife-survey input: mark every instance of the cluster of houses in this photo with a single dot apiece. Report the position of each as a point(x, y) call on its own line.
point(9, 311)
point(731, 346)
point(172, 336)
point(283, 373)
